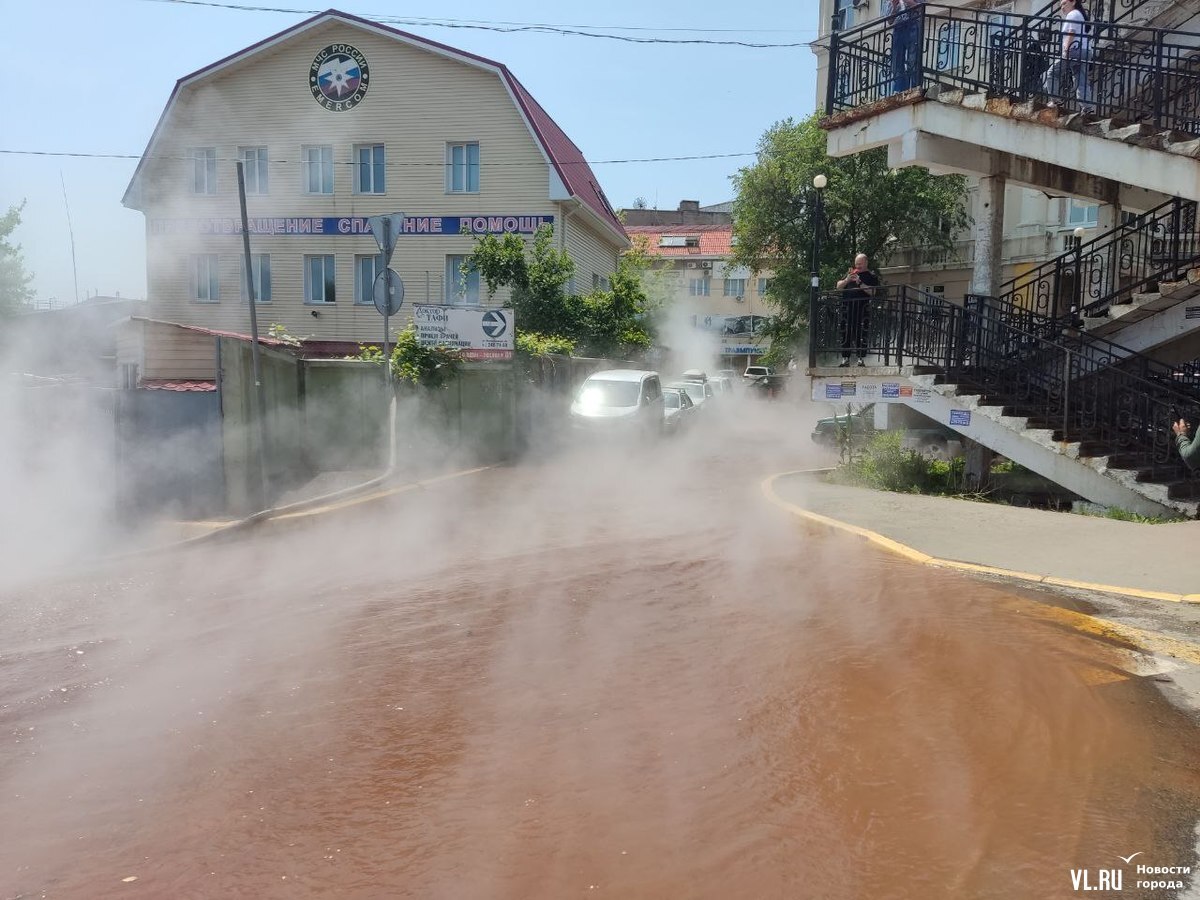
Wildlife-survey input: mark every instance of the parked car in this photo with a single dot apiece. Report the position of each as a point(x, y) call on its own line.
point(767, 387)
point(699, 392)
point(694, 375)
point(619, 402)
point(935, 441)
point(722, 384)
point(678, 410)
point(753, 372)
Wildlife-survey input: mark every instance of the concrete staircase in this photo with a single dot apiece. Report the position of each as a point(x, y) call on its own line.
point(1085, 465)
point(1139, 308)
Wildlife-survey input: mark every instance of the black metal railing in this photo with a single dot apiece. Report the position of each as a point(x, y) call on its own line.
point(898, 325)
point(1142, 75)
point(1156, 246)
point(1101, 13)
point(1084, 390)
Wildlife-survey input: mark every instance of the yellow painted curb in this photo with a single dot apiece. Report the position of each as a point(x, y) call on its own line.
point(1148, 641)
point(768, 489)
point(378, 495)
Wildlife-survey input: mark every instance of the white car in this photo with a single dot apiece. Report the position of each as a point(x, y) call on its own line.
point(753, 372)
point(619, 402)
point(699, 392)
point(678, 410)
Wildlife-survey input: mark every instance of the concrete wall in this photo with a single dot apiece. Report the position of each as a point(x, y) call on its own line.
point(329, 416)
point(169, 454)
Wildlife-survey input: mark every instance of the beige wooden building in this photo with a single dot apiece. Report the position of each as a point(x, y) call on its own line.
point(335, 120)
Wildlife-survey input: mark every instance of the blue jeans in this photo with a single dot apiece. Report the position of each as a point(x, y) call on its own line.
point(1077, 63)
point(906, 55)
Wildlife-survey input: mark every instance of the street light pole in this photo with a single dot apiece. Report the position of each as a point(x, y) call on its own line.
point(819, 183)
point(1077, 309)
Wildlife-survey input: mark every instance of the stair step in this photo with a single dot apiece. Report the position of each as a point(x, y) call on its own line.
point(1188, 489)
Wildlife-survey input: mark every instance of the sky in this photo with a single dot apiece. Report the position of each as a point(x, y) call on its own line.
point(96, 76)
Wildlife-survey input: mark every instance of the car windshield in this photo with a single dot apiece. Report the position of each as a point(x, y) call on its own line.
point(695, 391)
point(671, 399)
point(597, 392)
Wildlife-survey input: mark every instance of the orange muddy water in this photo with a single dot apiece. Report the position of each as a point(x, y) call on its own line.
point(611, 676)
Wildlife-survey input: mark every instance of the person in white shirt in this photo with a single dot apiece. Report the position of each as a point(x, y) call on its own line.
point(1075, 51)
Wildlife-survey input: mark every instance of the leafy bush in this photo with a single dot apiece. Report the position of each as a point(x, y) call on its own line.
point(412, 361)
point(885, 465)
point(537, 344)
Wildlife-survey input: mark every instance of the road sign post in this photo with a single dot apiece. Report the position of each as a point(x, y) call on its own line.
point(388, 289)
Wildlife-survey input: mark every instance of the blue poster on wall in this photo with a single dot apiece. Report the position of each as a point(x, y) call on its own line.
point(960, 417)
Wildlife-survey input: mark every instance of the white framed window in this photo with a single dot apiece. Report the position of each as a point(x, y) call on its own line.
point(204, 170)
point(318, 169)
point(698, 287)
point(260, 267)
point(462, 288)
point(843, 14)
point(204, 278)
point(734, 287)
point(365, 270)
point(369, 169)
point(1085, 214)
point(764, 285)
point(462, 168)
point(254, 162)
point(318, 280)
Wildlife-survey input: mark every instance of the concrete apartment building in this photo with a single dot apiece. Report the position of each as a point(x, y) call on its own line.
point(337, 119)
point(1076, 368)
point(699, 289)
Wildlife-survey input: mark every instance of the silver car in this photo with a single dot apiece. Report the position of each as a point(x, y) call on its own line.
point(619, 402)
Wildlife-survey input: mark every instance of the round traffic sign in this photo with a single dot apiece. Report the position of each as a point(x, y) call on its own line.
point(495, 323)
point(388, 292)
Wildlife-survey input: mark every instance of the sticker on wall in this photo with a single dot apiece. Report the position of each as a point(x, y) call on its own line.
point(960, 417)
point(891, 391)
point(833, 391)
point(919, 395)
point(849, 388)
point(339, 77)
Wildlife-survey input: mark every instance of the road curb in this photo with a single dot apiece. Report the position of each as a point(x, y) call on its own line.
point(918, 556)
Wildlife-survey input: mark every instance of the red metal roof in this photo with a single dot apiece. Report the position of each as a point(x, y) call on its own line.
point(566, 158)
point(715, 240)
point(168, 384)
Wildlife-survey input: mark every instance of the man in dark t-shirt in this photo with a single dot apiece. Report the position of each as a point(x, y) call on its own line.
point(858, 287)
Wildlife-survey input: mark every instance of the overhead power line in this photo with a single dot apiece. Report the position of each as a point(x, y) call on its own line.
point(400, 164)
point(597, 31)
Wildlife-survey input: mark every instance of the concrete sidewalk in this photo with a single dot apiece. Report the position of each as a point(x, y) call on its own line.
point(1080, 551)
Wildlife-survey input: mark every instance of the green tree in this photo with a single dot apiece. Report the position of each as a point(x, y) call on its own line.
point(15, 291)
point(604, 322)
point(869, 208)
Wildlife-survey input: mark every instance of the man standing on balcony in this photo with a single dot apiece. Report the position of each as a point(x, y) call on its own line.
point(905, 16)
point(1188, 449)
point(858, 287)
point(1076, 49)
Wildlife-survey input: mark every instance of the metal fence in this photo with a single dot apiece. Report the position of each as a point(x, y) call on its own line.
point(1116, 403)
point(1156, 246)
point(1135, 73)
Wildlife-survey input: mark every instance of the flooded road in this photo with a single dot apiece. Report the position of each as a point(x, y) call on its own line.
point(618, 675)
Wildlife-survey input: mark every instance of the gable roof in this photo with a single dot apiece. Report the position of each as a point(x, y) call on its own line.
point(715, 240)
point(564, 157)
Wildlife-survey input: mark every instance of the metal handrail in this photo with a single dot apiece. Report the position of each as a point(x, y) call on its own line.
point(1144, 78)
point(1058, 381)
point(1156, 246)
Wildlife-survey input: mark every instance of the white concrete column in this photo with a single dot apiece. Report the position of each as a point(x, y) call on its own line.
point(989, 236)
